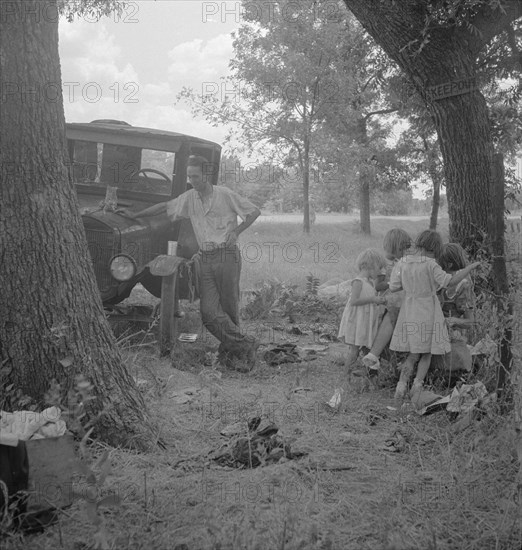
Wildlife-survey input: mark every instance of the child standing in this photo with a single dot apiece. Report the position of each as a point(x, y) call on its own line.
point(421, 329)
point(360, 318)
point(458, 305)
point(458, 302)
point(396, 242)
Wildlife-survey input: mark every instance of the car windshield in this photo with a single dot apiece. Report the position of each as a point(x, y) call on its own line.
point(123, 166)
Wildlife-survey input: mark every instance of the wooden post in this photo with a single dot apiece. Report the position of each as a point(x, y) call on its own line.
point(499, 271)
point(168, 319)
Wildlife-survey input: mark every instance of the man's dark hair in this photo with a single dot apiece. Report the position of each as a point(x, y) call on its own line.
point(208, 169)
point(199, 161)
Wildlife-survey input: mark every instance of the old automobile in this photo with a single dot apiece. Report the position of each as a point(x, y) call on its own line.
point(118, 169)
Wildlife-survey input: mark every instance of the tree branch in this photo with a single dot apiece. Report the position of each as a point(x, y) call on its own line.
point(491, 22)
point(381, 112)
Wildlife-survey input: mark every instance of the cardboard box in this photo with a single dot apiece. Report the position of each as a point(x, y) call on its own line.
point(52, 465)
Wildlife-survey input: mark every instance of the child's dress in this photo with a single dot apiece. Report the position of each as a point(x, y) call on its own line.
point(455, 303)
point(359, 323)
point(420, 327)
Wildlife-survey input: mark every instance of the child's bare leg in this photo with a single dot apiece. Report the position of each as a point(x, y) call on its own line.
point(406, 371)
point(423, 368)
point(383, 337)
point(335, 400)
point(353, 353)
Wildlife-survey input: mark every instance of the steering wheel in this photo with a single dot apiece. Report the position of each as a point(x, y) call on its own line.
point(149, 181)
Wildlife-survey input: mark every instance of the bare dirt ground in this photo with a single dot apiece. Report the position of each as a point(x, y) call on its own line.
point(369, 477)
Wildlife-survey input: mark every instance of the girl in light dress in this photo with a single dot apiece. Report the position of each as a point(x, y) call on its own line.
point(396, 243)
point(360, 318)
point(421, 328)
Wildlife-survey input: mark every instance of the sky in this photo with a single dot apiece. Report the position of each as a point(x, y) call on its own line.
point(132, 67)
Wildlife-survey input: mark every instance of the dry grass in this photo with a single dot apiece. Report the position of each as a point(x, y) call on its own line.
point(281, 251)
point(443, 491)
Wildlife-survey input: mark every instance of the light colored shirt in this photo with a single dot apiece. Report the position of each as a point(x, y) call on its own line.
point(214, 218)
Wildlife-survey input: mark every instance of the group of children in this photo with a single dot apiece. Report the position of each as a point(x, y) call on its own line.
point(407, 282)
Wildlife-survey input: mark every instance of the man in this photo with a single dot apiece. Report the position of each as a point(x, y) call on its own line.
point(213, 212)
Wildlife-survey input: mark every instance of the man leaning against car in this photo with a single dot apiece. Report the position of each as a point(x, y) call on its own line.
point(213, 211)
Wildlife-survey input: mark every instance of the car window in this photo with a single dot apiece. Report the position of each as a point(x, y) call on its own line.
point(86, 158)
point(163, 162)
point(123, 166)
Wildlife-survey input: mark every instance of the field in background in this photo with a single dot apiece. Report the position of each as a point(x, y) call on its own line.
point(275, 247)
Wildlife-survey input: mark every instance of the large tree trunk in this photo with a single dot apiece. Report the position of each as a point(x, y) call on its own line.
point(52, 324)
point(461, 121)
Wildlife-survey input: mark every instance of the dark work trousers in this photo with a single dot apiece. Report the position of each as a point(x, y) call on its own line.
point(220, 270)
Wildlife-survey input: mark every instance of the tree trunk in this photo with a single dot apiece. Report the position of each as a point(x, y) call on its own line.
point(306, 185)
point(436, 181)
point(462, 120)
point(364, 200)
point(435, 204)
point(52, 324)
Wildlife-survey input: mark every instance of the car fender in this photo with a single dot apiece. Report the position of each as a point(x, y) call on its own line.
point(164, 265)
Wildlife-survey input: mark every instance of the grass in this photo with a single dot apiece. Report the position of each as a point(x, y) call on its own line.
point(443, 490)
point(281, 251)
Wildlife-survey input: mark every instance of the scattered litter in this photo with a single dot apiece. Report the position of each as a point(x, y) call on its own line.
point(434, 406)
point(395, 444)
point(282, 353)
point(259, 446)
point(465, 398)
point(485, 346)
point(25, 425)
point(300, 389)
point(421, 399)
point(187, 337)
point(335, 400)
point(313, 349)
point(375, 416)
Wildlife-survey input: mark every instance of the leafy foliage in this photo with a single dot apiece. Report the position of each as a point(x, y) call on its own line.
point(312, 284)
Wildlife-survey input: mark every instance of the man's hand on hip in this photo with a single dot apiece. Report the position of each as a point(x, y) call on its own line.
point(231, 239)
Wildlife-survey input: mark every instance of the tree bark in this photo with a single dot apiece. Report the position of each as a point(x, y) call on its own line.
point(364, 200)
point(436, 181)
point(52, 323)
point(461, 121)
point(435, 205)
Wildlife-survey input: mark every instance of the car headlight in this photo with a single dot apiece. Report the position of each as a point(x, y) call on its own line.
point(122, 267)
